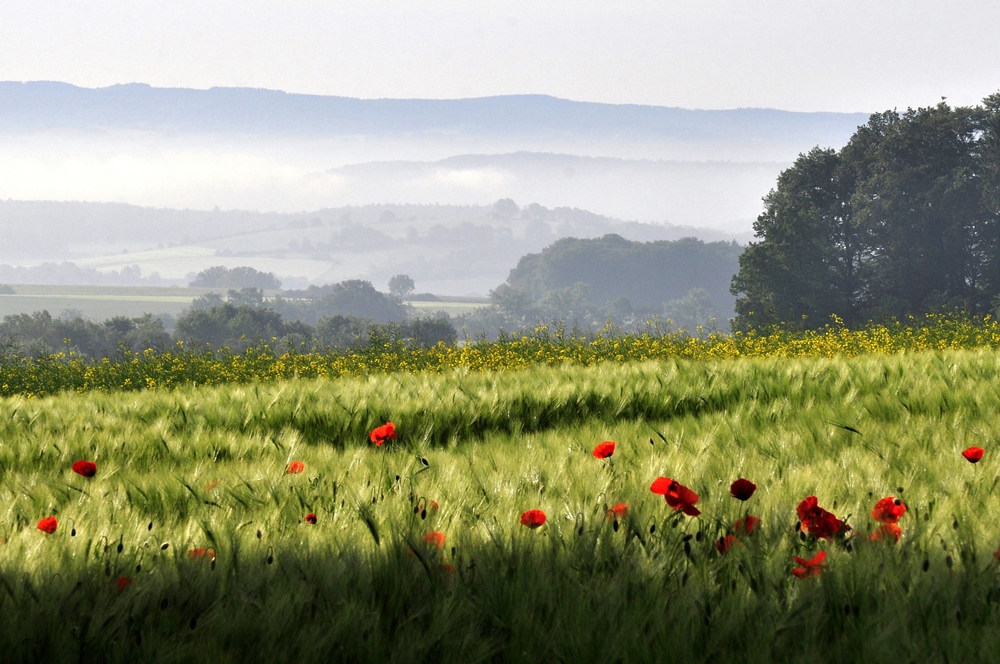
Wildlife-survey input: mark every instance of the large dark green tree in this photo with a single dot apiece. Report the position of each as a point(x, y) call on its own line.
point(901, 221)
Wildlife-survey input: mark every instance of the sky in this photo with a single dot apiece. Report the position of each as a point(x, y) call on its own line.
point(805, 55)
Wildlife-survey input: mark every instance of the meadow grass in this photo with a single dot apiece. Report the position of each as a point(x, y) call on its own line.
point(205, 467)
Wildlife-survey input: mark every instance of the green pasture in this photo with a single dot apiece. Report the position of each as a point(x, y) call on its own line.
point(103, 302)
point(99, 302)
point(452, 307)
point(205, 468)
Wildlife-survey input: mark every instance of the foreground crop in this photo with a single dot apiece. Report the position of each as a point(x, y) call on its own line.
point(417, 551)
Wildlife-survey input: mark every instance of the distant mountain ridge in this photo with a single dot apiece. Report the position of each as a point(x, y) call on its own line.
point(43, 105)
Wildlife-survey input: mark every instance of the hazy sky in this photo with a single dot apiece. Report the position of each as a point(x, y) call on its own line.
point(846, 55)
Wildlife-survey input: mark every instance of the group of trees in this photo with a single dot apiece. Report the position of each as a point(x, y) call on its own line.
point(903, 220)
point(349, 314)
point(238, 327)
point(585, 282)
point(29, 334)
point(224, 326)
point(220, 276)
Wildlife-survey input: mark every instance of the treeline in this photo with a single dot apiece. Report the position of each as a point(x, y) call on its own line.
point(903, 220)
point(241, 319)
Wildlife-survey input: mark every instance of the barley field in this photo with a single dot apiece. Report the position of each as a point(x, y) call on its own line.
point(259, 521)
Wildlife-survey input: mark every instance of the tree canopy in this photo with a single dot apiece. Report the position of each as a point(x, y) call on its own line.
point(903, 220)
point(221, 276)
point(648, 274)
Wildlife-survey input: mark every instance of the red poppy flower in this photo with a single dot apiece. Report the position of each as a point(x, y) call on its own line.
point(973, 454)
point(818, 522)
point(85, 468)
point(604, 450)
point(198, 554)
point(618, 511)
point(122, 583)
point(450, 569)
point(311, 518)
point(811, 567)
point(888, 510)
point(383, 433)
point(295, 467)
point(726, 543)
point(746, 525)
point(533, 518)
point(660, 486)
point(434, 507)
point(678, 496)
point(48, 525)
point(996, 554)
point(435, 538)
point(885, 531)
point(742, 489)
